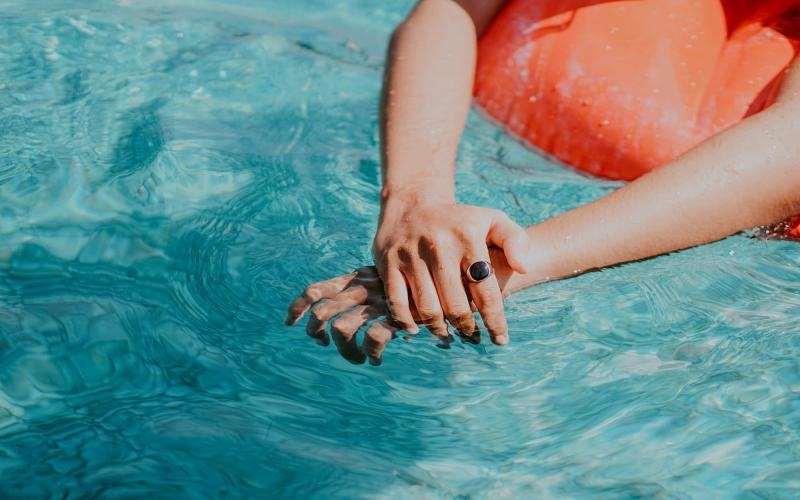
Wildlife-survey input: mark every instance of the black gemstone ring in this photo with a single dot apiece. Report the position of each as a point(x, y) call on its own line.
point(479, 271)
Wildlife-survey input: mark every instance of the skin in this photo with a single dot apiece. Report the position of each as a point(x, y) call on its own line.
point(746, 176)
point(357, 298)
point(423, 245)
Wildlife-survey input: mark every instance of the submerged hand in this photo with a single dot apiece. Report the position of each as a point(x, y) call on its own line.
point(356, 298)
point(427, 248)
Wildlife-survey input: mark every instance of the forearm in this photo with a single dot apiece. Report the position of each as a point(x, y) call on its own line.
point(746, 176)
point(426, 97)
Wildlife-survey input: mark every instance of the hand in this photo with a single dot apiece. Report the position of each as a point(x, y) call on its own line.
point(427, 247)
point(357, 298)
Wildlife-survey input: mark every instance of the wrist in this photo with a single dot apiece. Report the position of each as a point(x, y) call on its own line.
point(543, 265)
point(427, 191)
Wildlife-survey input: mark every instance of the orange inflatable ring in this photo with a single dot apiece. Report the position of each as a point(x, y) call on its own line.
point(618, 88)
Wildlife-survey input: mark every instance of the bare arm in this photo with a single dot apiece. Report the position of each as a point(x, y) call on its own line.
point(425, 241)
point(746, 176)
point(427, 94)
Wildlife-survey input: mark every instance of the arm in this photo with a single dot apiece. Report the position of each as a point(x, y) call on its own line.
point(426, 97)
point(424, 240)
point(746, 176)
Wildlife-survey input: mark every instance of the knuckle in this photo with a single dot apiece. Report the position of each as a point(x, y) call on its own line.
point(371, 337)
point(430, 315)
point(377, 336)
point(320, 311)
point(313, 292)
point(495, 321)
point(344, 326)
point(460, 318)
point(397, 305)
point(457, 310)
point(488, 293)
point(493, 312)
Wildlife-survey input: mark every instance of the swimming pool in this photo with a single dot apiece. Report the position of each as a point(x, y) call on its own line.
point(172, 173)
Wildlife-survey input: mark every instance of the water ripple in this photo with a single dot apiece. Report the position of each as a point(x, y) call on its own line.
point(172, 175)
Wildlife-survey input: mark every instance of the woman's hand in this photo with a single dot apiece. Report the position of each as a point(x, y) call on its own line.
point(426, 248)
point(354, 300)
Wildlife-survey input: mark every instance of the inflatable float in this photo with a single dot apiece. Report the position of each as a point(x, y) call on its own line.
point(618, 88)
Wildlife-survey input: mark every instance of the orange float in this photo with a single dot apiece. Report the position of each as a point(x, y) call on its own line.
point(618, 88)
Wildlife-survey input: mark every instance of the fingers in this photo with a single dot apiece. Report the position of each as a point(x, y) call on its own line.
point(506, 234)
point(452, 295)
point(322, 312)
point(426, 299)
point(375, 340)
point(344, 331)
point(397, 297)
point(318, 321)
point(314, 293)
point(488, 300)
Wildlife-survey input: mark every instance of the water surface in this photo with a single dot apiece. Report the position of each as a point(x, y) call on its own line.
point(173, 172)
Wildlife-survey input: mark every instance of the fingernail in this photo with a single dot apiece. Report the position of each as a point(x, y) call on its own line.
point(413, 330)
point(501, 339)
point(375, 361)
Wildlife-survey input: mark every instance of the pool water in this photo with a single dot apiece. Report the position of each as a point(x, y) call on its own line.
point(173, 172)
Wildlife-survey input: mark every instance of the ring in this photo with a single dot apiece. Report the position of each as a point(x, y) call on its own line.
point(479, 271)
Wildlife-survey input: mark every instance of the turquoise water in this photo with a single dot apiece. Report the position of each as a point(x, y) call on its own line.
point(172, 173)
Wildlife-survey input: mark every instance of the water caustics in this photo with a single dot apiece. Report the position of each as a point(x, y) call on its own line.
point(173, 172)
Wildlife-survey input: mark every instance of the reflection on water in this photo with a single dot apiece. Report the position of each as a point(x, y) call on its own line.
point(172, 173)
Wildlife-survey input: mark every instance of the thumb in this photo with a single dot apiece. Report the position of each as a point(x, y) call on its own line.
point(512, 239)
